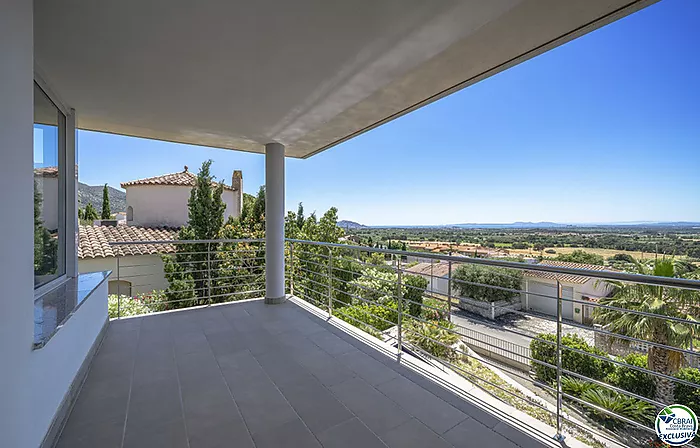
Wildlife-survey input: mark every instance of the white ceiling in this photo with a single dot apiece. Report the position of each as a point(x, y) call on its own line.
point(306, 73)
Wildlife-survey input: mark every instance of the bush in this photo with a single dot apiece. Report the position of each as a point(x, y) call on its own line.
point(437, 310)
point(414, 288)
point(581, 256)
point(580, 363)
point(632, 380)
point(575, 386)
point(633, 409)
point(688, 395)
point(486, 275)
point(128, 306)
point(550, 251)
point(432, 337)
point(369, 318)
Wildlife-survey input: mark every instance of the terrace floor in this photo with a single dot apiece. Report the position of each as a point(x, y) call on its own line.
point(250, 375)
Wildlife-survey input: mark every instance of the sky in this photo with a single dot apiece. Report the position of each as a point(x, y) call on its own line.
point(605, 128)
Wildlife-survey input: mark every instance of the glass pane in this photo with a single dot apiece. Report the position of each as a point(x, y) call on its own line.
point(49, 218)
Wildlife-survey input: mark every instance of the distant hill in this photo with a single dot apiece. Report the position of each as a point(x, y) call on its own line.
point(344, 224)
point(92, 194)
point(514, 225)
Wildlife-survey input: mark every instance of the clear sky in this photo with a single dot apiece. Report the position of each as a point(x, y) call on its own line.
point(603, 129)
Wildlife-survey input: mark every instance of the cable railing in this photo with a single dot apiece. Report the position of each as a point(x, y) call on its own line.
point(546, 370)
point(374, 293)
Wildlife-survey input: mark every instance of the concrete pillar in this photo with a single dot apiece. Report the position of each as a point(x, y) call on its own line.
point(274, 223)
point(17, 203)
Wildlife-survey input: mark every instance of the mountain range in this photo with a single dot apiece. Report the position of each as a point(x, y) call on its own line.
point(92, 194)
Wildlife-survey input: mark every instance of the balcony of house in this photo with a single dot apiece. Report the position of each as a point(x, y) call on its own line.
point(364, 351)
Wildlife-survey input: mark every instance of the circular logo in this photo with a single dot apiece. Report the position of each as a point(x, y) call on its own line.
point(676, 425)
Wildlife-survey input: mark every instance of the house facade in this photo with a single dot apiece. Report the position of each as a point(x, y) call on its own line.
point(161, 201)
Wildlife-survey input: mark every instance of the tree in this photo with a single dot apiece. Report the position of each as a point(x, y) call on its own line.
point(45, 247)
point(581, 256)
point(657, 300)
point(90, 214)
point(106, 211)
point(191, 265)
point(477, 282)
point(300, 216)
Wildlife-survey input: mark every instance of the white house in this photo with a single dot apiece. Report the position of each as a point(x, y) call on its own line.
point(541, 290)
point(437, 275)
point(162, 200)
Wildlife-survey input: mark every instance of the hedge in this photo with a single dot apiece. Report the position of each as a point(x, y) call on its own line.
point(688, 395)
point(369, 318)
point(632, 380)
point(580, 363)
point(486, 275)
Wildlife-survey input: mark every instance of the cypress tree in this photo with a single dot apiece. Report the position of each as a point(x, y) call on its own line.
point(106, 212)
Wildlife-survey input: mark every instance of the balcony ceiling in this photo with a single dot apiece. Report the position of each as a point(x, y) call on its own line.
point(306, 73)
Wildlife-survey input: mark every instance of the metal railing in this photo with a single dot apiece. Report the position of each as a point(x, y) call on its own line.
point(374, 290)
point(341, 279)
point(163, 275)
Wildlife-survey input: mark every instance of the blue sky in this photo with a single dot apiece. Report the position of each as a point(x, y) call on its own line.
point(603, 129)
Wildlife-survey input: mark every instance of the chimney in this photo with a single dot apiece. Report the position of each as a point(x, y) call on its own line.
point(237, 184)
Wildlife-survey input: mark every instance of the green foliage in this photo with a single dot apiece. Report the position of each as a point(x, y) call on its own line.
point(372, 319)
point(627, 258)
point(688, 395)
point(632, 380)
point(45, 246)
point(129, 306)
point(633, 409)
point(575, 386)
point(471, 275)
point(550, 251)
point(580, 363)
point(434, 337)
point(581, 256)
point(434, 309)
point(89, 213)
point(106, 211)
point(376, 285)
point(376, 259)
point(413, 295)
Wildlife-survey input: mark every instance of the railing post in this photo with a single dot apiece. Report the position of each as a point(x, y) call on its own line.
point(209, 270)
point(119, 295)
point(449, 289)
point(330, 282)
point(399, 306)
point(291, 268)
point(559, 435)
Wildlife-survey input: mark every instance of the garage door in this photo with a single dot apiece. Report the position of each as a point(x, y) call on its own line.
point(548, 304)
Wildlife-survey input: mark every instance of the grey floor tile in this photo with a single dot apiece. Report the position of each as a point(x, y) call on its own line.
point(413, 434)
point(263, 406)
point(350, 434)
point(76, 434)
point(516, 436)
point(282, 368)
point(471, 433)
point(431, 410)
point(217, 426)
point(375, 410)
point(330, 343)
point(293, 434)
point(164, 435)
point(316, 405)
point(368, 368)
point(325, 368)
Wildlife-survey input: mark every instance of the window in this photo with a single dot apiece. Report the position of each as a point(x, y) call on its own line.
point(129, 213)
point(49, 190)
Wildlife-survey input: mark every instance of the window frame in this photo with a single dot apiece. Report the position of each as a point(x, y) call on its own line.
point(67, 186)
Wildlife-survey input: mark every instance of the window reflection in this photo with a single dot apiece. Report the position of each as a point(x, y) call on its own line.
point(49, 187)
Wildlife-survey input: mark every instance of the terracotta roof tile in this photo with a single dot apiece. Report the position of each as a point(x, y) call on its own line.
point(183, 178)
point(566, 278)
point(47, 171)
point(93, 241)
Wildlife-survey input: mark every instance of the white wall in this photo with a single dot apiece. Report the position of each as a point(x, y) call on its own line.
point(145, 272)
point(166, 205)
point(55, 365)
point(16, 245)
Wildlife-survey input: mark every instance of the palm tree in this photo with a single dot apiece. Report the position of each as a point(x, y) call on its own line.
point(657, 300)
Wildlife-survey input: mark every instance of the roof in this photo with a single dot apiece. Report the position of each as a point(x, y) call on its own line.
point(438, 269)
point(93, 241)
point(183, 178)
point(320, 73)
point(47, 171)
point(564, 278)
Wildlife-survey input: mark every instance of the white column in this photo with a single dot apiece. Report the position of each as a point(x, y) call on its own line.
point(274, 223)
point(16, 203)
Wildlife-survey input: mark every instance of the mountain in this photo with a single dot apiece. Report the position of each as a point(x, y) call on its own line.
point(514, 225)
point(344, 224)
point(92, 194)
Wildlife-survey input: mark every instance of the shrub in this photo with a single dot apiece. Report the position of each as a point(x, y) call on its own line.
point(632, 380)
point(128, 306)
point(620, 404)
point(688, 395)
point(432, 337)
point(580, 363)
point(550, 251)
point(369, 318)
point(581, 256)
point(414, 288)
point(437, 310)
point(575, 386)
point(486, 275)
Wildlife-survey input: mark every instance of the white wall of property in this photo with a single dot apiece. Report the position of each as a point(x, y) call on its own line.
point(144, 272)
point(592, 287)
point(54, 366)
point(166, 205)
point(16, 198)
